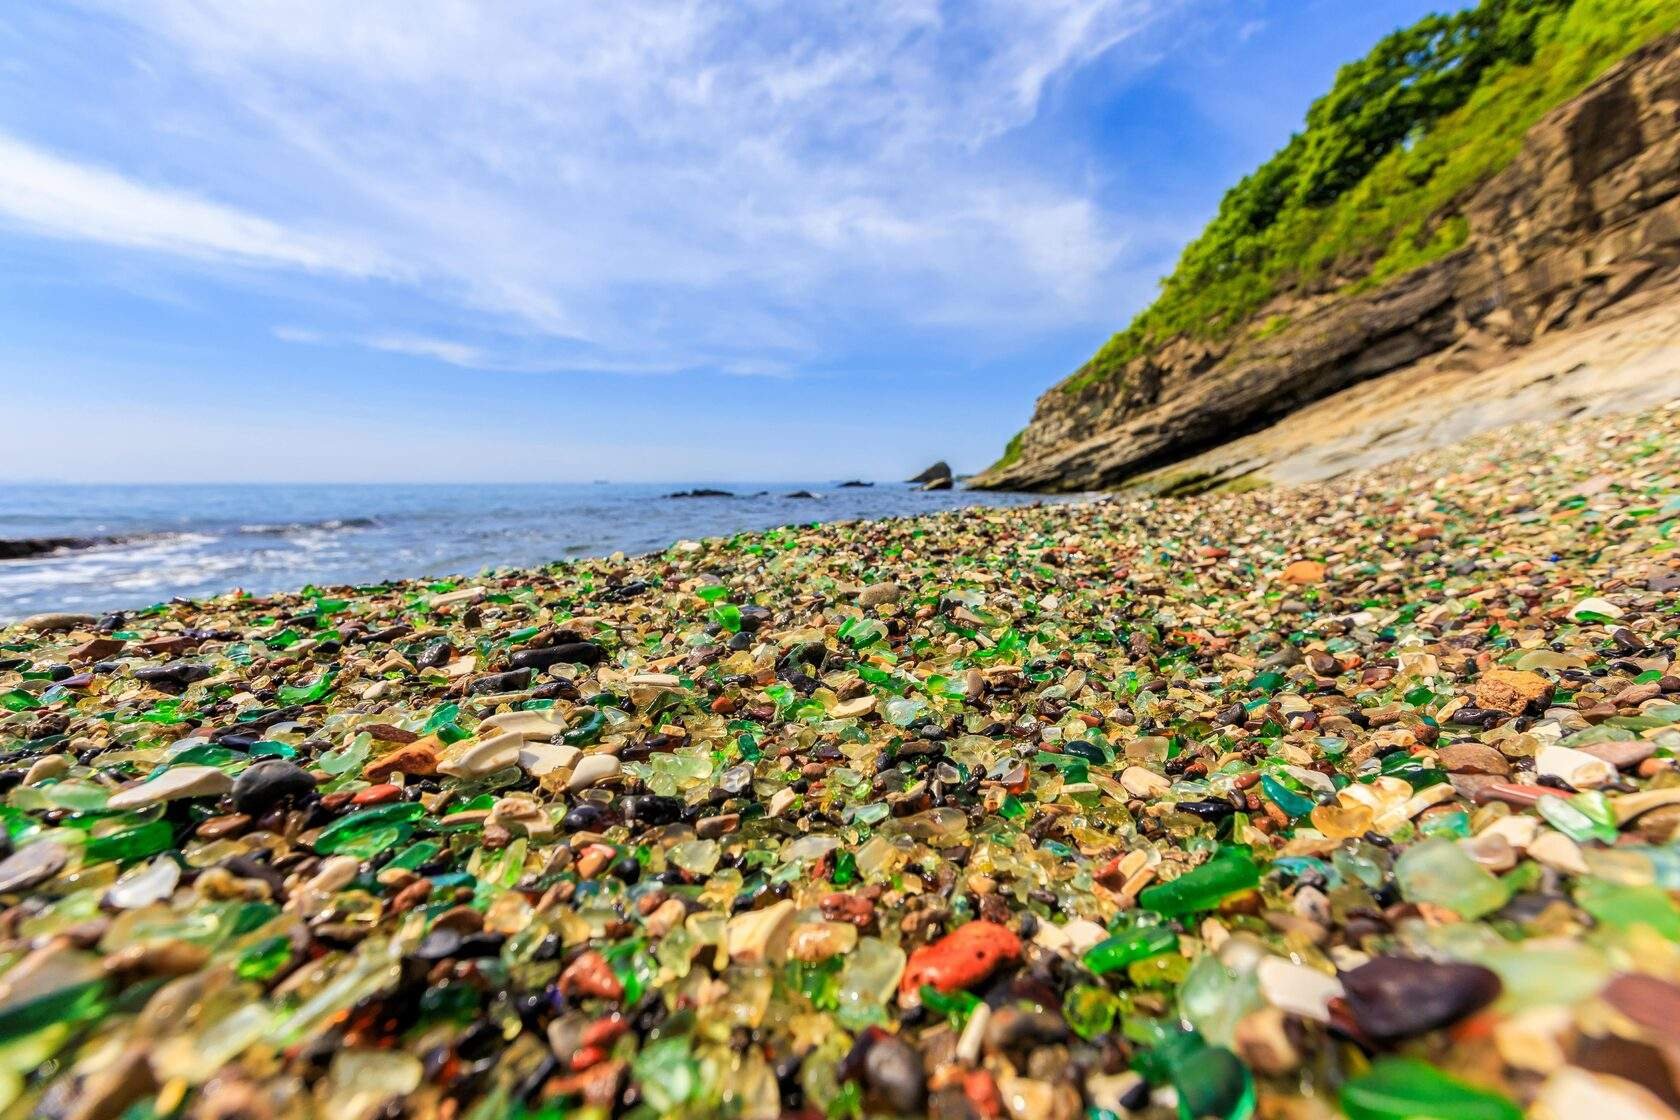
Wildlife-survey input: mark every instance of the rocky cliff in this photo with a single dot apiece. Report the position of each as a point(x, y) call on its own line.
point(1586, 217)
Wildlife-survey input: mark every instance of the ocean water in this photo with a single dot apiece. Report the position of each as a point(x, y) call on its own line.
point(198, 540)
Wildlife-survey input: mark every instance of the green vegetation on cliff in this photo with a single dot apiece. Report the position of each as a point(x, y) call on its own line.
point(1370, 188)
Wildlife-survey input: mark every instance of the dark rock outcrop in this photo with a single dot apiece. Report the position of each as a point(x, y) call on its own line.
point(940, 470)
point(26, 547)
point(1586, 216)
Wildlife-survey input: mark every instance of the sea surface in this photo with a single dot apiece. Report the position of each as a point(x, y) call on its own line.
point(197, 540)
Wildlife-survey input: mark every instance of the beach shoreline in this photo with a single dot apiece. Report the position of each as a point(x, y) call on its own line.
point(1127, 804)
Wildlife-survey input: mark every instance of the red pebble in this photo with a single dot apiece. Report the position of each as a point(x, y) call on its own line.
point(961, 958)
point(591, 975)
point(604, 1032)
point(376, 795)
point(982, 1092)
point(587, 1056)
point(1110, 876)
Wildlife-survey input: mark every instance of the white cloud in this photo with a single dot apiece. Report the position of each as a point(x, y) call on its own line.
point(636, 185)
point(452, 352)
point(60, 198)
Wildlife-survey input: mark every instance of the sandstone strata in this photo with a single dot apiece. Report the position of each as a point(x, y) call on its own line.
point(1585, 219)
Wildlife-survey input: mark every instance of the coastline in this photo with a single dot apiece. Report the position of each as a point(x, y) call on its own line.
point(935, 813)
point(152, 543)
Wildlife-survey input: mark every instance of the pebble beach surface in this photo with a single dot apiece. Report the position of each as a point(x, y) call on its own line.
point(1356, 799)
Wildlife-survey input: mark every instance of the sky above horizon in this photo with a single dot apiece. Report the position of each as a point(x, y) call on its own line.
point(436, 240)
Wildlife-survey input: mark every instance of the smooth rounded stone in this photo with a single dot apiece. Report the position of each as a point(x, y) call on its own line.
point(123, 1081)
point(171, 785)
point(894, 1075)
point(1578, 768)
point(461, 597)
point(761, 936)
point(1490, 850)
point(1392, 998)
point(877, 594)
point(592, 770)
point(1303, 572)
point(852, 709)
point(539, 758)
point(1261, 1039)
point(52, 968)
point(584, 817)
point(1144, 783)
point(514, 680)
point(360, 1080)
point(143, 886)
point(651, 808)
point(1575, 1094)
point(47, 766)
point(780, 802)
point(711, 828)
point(647, 689)
point(53, 621)
point(1296, 989)
point(269, 783)
point(1659, 826)
point(32, 864)
point(335, 873)
point(1555, 850)
point(528, 724)
point(1624, 755)
point(484, 757)
point(1473, 758)
point(568, 653)
point(1629, 806)
point(1650, 1001)
point(1076, 938)
point(818, 941)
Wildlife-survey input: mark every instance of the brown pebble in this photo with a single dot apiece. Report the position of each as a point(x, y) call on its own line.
point(1521, 796)
point(418, 758)
point(590, 975)
point(1473, 758)
point(229, 824)
point(710, 828)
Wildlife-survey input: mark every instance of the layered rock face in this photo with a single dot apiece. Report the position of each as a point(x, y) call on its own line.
point(1586, 217)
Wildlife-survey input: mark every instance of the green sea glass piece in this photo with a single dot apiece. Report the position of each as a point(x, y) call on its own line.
point(1622, 906)
point(1116, 953)
point(1203, 888)
point(343, 834)
point(1407, 1089)
point(1439, 872)
point(130, 844)
point(1213, 1084)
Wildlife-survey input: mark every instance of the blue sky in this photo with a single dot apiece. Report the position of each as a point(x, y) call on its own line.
point(692, 239)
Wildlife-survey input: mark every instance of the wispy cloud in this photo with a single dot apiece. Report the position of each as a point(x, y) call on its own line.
point(628, 186)
point(57, 197)
point(464, 355)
